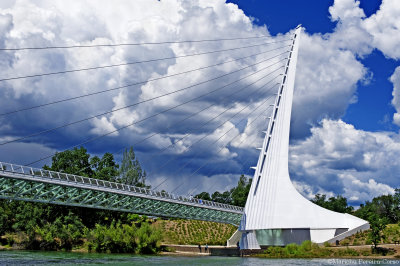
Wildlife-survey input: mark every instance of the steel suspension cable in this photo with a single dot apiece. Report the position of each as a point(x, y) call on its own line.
point(131, 44)
point(223, 136)
point(172, 144)
point(122, 108)
point(197, 141)
point(129, 63)
point(211, 172)
point(242, 168)
point(225, 110)
point(244, 163)
point(196, 113)
point(116, 130)
point(134, 84)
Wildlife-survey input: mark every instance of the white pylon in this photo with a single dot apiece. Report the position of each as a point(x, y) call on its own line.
point(275, 212)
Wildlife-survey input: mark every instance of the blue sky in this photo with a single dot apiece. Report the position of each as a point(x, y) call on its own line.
point(280, 17)
point(346, 110)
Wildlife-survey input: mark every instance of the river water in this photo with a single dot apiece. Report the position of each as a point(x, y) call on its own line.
point(72, 258)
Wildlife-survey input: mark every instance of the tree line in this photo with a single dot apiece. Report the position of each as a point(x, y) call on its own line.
point(379, 212)
point(236, 196)
point(78, 161)
point(54, 227)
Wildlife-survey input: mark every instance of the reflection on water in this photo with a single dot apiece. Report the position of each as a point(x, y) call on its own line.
point(69, 258)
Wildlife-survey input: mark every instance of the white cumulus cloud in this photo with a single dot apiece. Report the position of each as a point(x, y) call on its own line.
point(395, 79)
point(340, 158)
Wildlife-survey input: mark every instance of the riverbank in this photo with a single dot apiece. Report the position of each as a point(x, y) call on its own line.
point(73, 258)
point(387, 251)
point(312, 250)
point(354, 252)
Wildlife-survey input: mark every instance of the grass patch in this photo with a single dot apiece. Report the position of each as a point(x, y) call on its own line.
point(193, 232)
point(390, 234)
point(311, 250)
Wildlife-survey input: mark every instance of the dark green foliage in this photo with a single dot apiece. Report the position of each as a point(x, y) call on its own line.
point(131, 172)
point(203, 195)
point(124, 238)
point(55, 227)
point(64, 233)
point(240, 192)
point(385, 206)
point(221, 197)
point(7, 215)
point(337, 204)
point(74, 161)
point(377, 225)
point(105, 168)
point(310, 250)
point(236, 196)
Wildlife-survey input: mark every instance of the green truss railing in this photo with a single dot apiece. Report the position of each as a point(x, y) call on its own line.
point(38, 185)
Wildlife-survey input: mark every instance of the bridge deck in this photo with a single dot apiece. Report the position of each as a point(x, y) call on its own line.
point(19, 182)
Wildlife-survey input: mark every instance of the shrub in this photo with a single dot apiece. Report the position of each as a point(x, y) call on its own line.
point(306, 246)
point(327, 244)
point(275, 252)
point(124, 238)
point(365, 252)
point(347, 252)
point(10, 239)
point(345, 242)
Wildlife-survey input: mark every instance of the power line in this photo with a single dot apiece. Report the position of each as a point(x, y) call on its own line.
point(113, 131)
point(134, 84)
point(132, 63)
point(131, 44)
point(131, 105)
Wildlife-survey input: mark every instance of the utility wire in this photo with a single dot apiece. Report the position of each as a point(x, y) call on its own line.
point(131, 44)
point(128, 106)
point(129, 63)
point(113, 131)
point(133, 84)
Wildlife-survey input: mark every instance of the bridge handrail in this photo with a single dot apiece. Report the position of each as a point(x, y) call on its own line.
point(31, 171)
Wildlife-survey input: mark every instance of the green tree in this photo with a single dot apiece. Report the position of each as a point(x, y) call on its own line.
point(388, 206)
point(105, 168)
point(131, 172)
point(377, 225)
point(236, 196)
point(74, 161)
point(241, 191)
point(337, 204)
point(203, 195)
point(385, 206)
point(224, 197)
point(7, 216)
point(28, 216)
